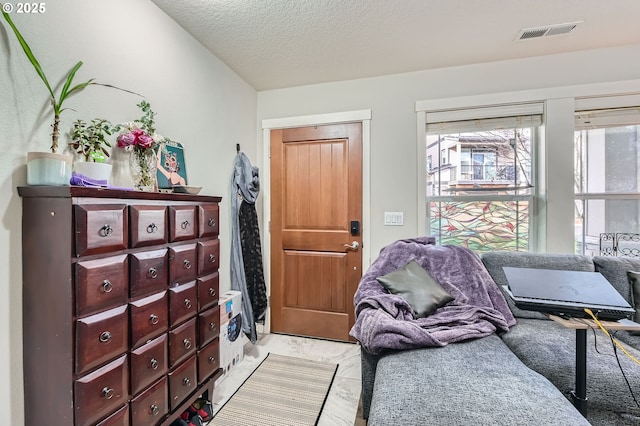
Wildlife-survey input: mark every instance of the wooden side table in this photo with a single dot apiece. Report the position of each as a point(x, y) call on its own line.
point(581, 325)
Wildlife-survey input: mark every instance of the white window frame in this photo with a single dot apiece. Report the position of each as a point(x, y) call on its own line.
point(555, 211)
point(493, 112)
point(604, 103)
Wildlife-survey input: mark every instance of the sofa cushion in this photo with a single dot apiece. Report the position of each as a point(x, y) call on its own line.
point(615, 269)
point(634, 284)
point(495, 261)
point(549, 348)
point(476, 382)
point(417, 287)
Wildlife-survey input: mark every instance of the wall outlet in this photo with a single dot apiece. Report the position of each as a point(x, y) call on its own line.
point(394, 218)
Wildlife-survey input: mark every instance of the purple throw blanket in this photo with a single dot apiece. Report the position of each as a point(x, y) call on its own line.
point(386, 321)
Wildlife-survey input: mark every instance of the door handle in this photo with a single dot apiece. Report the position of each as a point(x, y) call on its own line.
point(353, 246)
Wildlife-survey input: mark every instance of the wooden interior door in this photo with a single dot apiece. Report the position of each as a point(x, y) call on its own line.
point(316, 216)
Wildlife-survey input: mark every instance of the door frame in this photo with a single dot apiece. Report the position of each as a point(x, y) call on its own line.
point(359, 116)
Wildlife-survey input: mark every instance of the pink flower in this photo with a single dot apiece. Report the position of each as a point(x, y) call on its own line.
point(136, 137)
point(145, 141)
point(126, 140)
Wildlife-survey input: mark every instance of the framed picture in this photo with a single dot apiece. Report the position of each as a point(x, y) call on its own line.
point(172, 170)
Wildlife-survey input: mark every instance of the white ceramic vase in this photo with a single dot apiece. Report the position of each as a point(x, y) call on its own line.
point(46, 168)
point(98, 171)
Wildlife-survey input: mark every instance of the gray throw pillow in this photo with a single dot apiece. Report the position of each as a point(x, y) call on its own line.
point(417, 287)
point(634, 283)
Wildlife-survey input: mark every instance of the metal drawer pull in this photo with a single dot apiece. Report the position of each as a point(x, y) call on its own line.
point(105, 336)
point(152, 228)
point(107, 286)
point(212, 359)
point(153, 273)
point(154, 364)
point(212, 291)
point(187, 343)
point(187, 303)
point(106, 230)
point(154, 410)
point(185, 224)
point(212, 326)
point(212, 258)
point(187, 264)
point(107, 392)
point(153, 319)
point(212, 222)
point(186, 382)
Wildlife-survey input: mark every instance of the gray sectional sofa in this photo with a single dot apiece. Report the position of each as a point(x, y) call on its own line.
point(522, 376)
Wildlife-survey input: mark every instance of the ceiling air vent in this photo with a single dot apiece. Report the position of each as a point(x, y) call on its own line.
point(549, 30)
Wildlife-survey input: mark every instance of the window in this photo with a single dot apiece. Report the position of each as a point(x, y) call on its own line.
point(607, 181)
point(483, 197)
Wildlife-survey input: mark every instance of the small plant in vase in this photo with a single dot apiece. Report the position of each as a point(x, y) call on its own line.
point(90, 141)
point(140, 139)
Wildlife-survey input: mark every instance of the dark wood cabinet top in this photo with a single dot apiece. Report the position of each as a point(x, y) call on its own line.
point(82, 191)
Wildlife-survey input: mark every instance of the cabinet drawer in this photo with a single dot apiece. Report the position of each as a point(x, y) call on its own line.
point(119, 418)
point(151, 406)
point(182, 223)
point(182, 381)
point(182, 342)
point(208, 288)
point(183, 302)
point(100, 228)
point(101, 283)
point(208, 326)
point(182, 264)
point(208, 217)
point(149, 272)
point(148, 363)
point(149, 225)
point(100, 393)
point(208, 360)
point(149, 318)
point(208, 256)
point(101, 337)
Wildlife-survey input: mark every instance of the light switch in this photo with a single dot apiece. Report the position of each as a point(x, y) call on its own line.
point(394, 218)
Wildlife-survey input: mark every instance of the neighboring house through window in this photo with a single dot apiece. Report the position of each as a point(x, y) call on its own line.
point(481, 193)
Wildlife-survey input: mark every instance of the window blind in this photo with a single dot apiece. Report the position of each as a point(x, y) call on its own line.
point(484, 119)
point(613, 117)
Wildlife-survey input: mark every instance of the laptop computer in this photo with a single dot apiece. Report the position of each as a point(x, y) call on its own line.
point(565, 293)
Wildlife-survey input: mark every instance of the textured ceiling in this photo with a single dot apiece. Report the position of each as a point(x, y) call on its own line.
point(284, 43)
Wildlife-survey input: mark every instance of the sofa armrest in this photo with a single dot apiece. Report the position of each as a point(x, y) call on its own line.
point(369, 363)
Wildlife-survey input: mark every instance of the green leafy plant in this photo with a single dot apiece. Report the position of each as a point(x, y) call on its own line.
point(67, 89)
point(90, 139)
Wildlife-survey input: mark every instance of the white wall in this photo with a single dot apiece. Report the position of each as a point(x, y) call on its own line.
point(392, 100)
point(132, 44)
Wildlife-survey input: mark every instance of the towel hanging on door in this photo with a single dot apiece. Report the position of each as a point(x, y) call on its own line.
point(247, 274)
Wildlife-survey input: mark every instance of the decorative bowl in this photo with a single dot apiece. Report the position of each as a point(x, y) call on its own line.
point(186, 189)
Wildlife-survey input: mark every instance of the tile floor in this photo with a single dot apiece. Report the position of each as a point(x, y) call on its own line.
point(341, 407)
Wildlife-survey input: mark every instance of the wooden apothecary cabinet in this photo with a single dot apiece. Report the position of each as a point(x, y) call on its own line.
point(120, 293)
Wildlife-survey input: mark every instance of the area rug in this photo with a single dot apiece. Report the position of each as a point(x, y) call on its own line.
point(281, 391)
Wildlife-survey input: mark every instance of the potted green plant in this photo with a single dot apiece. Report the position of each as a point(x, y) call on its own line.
point(51, 168)
point(90, 141)
point(45, 168)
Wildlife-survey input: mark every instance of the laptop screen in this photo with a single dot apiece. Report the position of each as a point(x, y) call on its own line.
point(589, 288)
